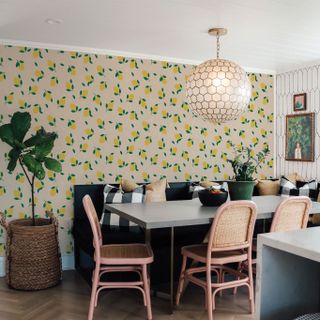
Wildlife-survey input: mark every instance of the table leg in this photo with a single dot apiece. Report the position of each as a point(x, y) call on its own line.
point(172, 271)
point(147, 236)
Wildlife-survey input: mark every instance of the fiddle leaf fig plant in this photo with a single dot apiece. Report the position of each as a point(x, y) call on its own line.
point(32, 154)
point(245, 164)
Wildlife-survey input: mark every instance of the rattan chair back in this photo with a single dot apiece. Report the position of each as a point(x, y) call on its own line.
point(233, 226)
point(291, 214)
point(94, 222)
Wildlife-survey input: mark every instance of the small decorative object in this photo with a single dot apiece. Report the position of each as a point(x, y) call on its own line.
point(33, 254)
point(300, 137)
point(212, 197)
point(218, 90)
point(244, 165)
point(300, 102)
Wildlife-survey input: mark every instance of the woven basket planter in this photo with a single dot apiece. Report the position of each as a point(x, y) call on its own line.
point(33, 254)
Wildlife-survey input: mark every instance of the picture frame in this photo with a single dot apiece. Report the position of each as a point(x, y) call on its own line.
point(300, 137)
point(300, 102)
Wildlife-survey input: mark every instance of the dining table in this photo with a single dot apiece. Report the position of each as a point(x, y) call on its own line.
point(180, 213)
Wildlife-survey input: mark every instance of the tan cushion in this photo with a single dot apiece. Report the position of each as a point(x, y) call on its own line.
point(208, 184)
point(156, 191)
point(293, 177)
point(268, 187)
point(315, 219)
point(127, 185)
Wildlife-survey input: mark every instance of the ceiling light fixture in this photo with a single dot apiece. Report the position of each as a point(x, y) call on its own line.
point(53, 21)
point(218, 90)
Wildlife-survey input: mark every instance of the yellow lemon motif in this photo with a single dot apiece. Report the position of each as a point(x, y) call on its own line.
point(2, 191)
point(147, 141)
point(145, 176)
point(53, 191)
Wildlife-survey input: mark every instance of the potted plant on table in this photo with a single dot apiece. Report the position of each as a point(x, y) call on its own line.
point(244, 166)
point(32, 250)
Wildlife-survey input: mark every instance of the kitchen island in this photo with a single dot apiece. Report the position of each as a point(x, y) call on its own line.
point(288, 274)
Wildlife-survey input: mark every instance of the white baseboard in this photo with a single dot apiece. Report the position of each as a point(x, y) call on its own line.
point(67, 264)
point(2, 266)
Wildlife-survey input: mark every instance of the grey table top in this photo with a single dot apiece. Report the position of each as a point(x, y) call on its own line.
point(186, 212)
point(304, 243)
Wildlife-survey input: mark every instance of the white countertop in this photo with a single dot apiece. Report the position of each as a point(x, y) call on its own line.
point(304, 243)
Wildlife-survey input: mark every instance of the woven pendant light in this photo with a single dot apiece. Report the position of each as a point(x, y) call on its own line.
point(218, 90)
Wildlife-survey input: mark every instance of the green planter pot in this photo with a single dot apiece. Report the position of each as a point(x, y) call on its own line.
point(241, 190)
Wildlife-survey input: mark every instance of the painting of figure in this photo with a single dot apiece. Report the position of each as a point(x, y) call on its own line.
point(300, 137)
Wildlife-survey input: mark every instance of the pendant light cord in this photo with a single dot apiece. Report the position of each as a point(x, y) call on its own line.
point(218, 46)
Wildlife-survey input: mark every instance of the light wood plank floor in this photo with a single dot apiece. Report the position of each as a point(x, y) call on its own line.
point(70, 301)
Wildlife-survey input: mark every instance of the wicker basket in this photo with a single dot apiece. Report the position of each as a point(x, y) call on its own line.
point(33, 254)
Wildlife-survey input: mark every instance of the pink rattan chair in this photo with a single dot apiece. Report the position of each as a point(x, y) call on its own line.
point(291, 214)
point(230, 241)
point(117, 258)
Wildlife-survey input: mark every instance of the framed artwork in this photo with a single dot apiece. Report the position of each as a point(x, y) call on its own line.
point(300, 137)
point(300, 102)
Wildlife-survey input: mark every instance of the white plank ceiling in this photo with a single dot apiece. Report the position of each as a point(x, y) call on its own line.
point(268, 35)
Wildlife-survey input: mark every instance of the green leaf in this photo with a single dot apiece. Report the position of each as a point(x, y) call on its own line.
point(34, 166)
point(20, 124)
point(52, 164)
point(41, 137)
point(13, 156)
point(6, 134)
point(42, 150)
point(12, 165)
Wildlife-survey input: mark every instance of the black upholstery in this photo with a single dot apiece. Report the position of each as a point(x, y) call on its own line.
point(178, 191)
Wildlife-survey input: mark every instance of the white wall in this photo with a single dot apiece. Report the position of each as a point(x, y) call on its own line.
point(287, 84)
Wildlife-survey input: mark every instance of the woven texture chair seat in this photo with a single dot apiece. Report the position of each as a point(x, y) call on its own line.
point(199, 252)
point(310, 316)
point(126, 252)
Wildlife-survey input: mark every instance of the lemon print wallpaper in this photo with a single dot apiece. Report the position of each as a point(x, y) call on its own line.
point(117, 117)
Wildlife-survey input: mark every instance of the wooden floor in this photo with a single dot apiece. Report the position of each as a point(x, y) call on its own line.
point(70, 300)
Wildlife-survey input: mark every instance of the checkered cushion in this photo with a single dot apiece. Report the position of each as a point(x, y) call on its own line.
point(115, 195)
point(309, 189)
point(310, 316)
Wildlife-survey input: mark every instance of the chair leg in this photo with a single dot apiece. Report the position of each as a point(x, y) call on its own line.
point(95, 282)
point(209, 295)
point(181, 280)
point(235, 289)
point(251, 286)
point(147, 290)
point(220, 280)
